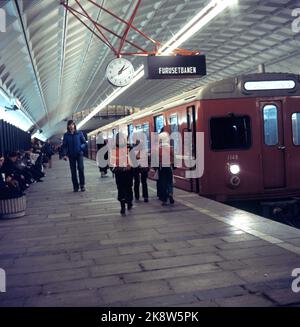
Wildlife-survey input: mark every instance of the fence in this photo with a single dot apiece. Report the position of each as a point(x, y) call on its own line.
point(13, 138)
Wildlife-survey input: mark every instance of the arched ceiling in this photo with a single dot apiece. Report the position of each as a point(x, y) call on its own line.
point(56, 66)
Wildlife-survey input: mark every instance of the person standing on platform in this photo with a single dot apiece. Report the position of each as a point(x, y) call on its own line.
point(140, 175)
point(122, 170)
point(100, 142)
point(48, 152)
point(74, 145)
point(165, 172)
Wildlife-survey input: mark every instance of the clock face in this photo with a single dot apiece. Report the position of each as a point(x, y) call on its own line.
point(120, 72)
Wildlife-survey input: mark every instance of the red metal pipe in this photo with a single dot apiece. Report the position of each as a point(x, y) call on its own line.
point(106, 29)
point(129, 25)
point(90, 18)
point(123, 38)
point(142, 54)
point(71, 11)
point(124, 21)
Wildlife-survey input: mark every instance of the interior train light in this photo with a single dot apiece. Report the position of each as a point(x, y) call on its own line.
point(208, 13)
point(234, 169)
point(269, 85)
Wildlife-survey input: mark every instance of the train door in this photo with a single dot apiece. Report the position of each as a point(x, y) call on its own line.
point(273, 146)
point(191, 127)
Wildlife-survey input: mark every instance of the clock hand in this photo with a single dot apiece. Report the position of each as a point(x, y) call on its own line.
point(121, 70)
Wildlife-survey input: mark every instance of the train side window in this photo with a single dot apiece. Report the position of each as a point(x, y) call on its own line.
point(296, 128)
point(159, 123)
point(138, 128)
point(230, 132)
point(174, 123)
point(113, 133)
point(174, 127)
point(130, 133)
point(146, 130)
point(270, 116)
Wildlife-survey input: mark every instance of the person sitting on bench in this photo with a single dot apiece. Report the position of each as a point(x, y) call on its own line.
point(9, 188)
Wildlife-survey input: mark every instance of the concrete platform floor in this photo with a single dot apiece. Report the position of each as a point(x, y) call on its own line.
point(76, 250)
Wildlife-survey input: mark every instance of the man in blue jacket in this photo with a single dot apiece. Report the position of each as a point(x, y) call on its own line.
point(74, 145)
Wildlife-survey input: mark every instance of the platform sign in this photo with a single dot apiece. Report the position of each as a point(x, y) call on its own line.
point(175, 67)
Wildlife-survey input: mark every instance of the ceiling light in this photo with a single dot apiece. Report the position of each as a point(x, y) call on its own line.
point(39, 136)
point(213, 9)
point(207, 14)
point(4, 95)
point(16, 118)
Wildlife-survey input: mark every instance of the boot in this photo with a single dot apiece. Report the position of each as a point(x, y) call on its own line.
point(171, 199)
point(129, 205)
point(123, 208)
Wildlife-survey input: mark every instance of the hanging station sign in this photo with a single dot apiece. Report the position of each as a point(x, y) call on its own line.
point(172, 67)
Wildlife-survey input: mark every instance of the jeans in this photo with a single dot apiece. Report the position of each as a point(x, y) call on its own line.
point(124, 184)
point(165, 183)
point(140, 175)
point(79, 161)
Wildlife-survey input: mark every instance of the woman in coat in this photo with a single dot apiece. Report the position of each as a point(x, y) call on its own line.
point(74, 145)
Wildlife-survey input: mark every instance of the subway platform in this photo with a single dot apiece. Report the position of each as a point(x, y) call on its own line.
point(74, 249)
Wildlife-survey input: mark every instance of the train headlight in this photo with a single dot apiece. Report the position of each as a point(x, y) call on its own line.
point(234, 169)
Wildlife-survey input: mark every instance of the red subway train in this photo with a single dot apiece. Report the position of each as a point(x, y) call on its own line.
point(251, 126)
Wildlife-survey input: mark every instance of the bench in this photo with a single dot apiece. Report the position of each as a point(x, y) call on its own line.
point(13, 208)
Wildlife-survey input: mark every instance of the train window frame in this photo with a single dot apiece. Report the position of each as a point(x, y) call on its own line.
point(148, 134)
point(177, 123)
point(269, 85)
point(294, 113)
point(130, 133)
point(263, 120)
point(230, 148)
point(174, 143)
point(155, 118)
point(113, 133)
point(138, 128)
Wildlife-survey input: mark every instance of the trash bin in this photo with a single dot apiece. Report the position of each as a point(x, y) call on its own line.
point(13, 208)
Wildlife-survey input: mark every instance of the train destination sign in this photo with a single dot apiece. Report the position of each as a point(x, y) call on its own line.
point(167, 67)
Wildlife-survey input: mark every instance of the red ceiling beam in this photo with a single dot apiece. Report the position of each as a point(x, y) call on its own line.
point(73, 11)
point(98, 29)
point(128, 27)
point(123, 38)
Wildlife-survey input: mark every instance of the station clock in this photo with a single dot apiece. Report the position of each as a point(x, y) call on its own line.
point(120, 72)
